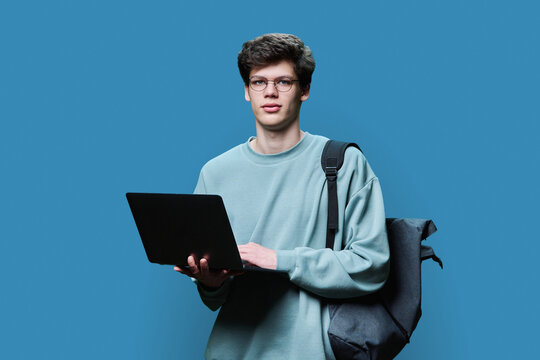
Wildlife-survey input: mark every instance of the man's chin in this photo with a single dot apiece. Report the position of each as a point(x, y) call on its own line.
point(275, 126)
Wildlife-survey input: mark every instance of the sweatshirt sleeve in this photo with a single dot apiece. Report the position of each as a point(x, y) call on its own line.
point(213, 299)
point(363, 264)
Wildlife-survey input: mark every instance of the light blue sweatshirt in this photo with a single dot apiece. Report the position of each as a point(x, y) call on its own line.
point(280, 201)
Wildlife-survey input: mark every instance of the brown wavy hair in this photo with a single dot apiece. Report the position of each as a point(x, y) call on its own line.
point(269, 49)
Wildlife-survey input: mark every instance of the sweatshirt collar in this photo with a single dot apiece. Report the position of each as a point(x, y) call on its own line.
point(269, 159)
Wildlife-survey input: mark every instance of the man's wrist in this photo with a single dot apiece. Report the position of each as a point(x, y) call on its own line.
point(209, 288)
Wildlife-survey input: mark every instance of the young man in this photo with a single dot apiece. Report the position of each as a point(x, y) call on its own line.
point(274, 190)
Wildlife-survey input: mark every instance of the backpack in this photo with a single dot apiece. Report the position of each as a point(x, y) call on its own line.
point(377, 326)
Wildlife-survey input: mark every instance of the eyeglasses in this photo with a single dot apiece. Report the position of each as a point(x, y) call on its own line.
point(281, 84)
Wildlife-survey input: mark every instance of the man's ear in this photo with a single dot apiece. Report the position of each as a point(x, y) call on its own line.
point(305, 93)
point(246, 93)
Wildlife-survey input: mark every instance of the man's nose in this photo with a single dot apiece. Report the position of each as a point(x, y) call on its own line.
point(271, 89)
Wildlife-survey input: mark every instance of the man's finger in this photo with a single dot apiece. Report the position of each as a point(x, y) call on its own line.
point(192, 265)
point(183, 271)
point(243, 248)
point(225, 273)
point(246, 257)
point(233, 272)
point(204, 266)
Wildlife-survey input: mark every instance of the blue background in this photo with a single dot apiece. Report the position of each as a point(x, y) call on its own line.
point(102, 97)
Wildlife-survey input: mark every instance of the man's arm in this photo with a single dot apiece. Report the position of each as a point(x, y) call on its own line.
point(363, 264)
point(361, 267)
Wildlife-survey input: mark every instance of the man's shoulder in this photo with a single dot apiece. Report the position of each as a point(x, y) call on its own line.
point(355, 164)
point(225, 160)
point(353, 156)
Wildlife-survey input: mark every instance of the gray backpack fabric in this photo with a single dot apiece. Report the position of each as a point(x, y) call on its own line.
point(379, 325)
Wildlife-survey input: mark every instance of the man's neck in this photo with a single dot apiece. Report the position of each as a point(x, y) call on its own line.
point(273, 142)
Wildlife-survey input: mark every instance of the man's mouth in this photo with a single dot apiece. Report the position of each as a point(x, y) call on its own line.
point(271, 107)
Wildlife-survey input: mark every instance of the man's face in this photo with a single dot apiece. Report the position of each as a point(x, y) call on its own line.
point(275, 110)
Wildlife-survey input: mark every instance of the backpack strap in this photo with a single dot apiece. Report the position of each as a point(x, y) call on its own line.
point(332, 159)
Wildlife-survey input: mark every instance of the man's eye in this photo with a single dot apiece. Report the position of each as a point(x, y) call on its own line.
point(258, 82)
point(284, 82)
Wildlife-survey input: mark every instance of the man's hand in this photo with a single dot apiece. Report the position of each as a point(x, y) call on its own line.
point(258, 255)
point(211, 279)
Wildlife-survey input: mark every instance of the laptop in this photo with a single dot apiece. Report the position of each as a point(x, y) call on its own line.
point(174, 226)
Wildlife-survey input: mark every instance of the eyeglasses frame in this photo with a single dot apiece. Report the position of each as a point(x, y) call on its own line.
point(274, 82)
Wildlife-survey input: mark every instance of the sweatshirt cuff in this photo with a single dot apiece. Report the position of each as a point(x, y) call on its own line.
point(212, 293)
point(286, 260)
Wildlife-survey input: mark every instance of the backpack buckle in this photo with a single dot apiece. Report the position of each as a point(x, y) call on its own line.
point(331, 167)
point(331, 175)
